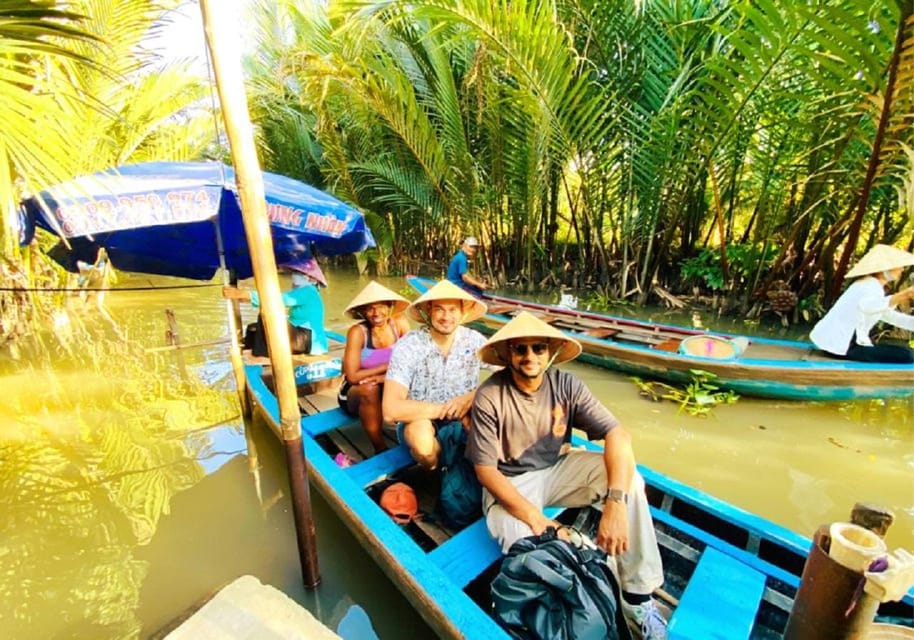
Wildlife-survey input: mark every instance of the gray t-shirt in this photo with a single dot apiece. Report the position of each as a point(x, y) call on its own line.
point(520, 432)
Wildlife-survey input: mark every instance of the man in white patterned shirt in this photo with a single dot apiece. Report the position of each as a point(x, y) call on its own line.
point(434, 370)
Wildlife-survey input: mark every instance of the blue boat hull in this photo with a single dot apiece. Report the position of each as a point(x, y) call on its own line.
point(767, 368)
point(702, 539)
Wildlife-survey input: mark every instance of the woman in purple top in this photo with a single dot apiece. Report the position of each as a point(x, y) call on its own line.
point(368, 347)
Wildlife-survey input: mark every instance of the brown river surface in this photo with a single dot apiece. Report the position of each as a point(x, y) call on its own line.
point(127, 492)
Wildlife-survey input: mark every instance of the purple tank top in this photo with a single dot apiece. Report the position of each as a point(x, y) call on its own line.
point(372, 357)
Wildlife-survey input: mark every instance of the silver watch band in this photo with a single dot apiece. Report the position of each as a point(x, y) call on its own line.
point(616, 495)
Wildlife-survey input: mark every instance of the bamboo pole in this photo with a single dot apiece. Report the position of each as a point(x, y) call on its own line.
point(236, 333)
point(222, 39)
point(234, 322)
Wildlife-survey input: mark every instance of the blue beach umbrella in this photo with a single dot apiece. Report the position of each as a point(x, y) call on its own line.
point(184, 219)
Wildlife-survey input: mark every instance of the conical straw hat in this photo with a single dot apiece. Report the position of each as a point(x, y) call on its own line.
point(882, 257)
point(308, 267)
point(446, 290)
point(375, 292)
point(526, 325)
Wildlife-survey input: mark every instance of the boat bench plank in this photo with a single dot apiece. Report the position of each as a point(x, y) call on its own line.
point(740, 555)
point(602, 334)
point(332, 419)
point(580, 323)
point(318, 423)
point(720, 601)
point(467, 554)
point(640, 337)
point(545, 316)
point(671, 345)
point(501, 309)
point(472, 551)
point(380, 466)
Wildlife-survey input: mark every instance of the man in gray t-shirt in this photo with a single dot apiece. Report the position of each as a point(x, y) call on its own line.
point(519, 444)
point(433, 371)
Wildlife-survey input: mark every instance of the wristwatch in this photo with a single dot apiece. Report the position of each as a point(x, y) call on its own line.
point(617, 495)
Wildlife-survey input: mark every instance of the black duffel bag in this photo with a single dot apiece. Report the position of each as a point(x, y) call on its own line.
point(256, 340)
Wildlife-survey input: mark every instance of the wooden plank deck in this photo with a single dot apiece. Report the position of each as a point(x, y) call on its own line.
point(467, 554)
point(367, 468)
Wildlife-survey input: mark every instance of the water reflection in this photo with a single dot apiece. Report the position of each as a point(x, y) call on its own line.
point(220, 529)
point(127, 494)
point(89, 468)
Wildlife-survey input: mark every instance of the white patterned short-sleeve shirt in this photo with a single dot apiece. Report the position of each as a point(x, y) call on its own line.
point(417, 364)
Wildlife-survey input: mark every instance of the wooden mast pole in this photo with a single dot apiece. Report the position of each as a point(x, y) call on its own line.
point(222, 39)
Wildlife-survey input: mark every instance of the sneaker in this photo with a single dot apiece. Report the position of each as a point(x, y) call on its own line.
point(645, 620)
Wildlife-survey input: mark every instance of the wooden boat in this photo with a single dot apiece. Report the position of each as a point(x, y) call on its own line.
point(751, 366)
point(725, 568)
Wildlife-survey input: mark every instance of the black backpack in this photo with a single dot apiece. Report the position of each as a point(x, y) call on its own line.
point(548, 588)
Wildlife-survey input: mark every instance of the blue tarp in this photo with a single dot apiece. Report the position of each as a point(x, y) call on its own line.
point(161, 217)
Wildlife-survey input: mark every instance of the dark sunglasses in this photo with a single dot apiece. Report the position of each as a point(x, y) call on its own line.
point(539, 348)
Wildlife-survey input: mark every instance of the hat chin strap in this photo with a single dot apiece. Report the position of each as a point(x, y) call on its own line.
point(888, 275)
point(552, 359)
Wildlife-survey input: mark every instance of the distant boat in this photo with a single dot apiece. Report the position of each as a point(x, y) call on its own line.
point(713, 552)
point(752, 366)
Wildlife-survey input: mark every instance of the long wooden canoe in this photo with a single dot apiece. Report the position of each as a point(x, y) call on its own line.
point(713, 552)
point(755, 366)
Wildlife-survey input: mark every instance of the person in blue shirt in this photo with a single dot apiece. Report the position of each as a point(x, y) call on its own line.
point(306, 308)
point(303, 301)
point(458, 271)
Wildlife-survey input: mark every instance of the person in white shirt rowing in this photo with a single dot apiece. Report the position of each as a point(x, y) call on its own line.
point(844, 332)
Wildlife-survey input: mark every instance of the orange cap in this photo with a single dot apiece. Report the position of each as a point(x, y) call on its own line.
point(399, 500)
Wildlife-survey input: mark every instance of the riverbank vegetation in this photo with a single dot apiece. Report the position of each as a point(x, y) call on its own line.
point(724, 149)
point(80, 91)
point(740, 154)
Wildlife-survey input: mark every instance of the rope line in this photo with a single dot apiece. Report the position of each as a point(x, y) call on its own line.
point(98, 289)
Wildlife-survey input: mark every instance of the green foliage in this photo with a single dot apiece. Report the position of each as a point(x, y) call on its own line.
point(704, 268)
point(697, 398)
point(744, 261)
point(596, 300)
point(78, 93)
point(603, 302)
point(624, 136)
point(445, 118)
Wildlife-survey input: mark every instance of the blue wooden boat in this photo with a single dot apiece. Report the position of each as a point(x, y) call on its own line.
point(752, 366)
point(726, 569)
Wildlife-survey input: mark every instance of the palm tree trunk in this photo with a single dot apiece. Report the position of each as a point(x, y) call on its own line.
point(853, 234)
